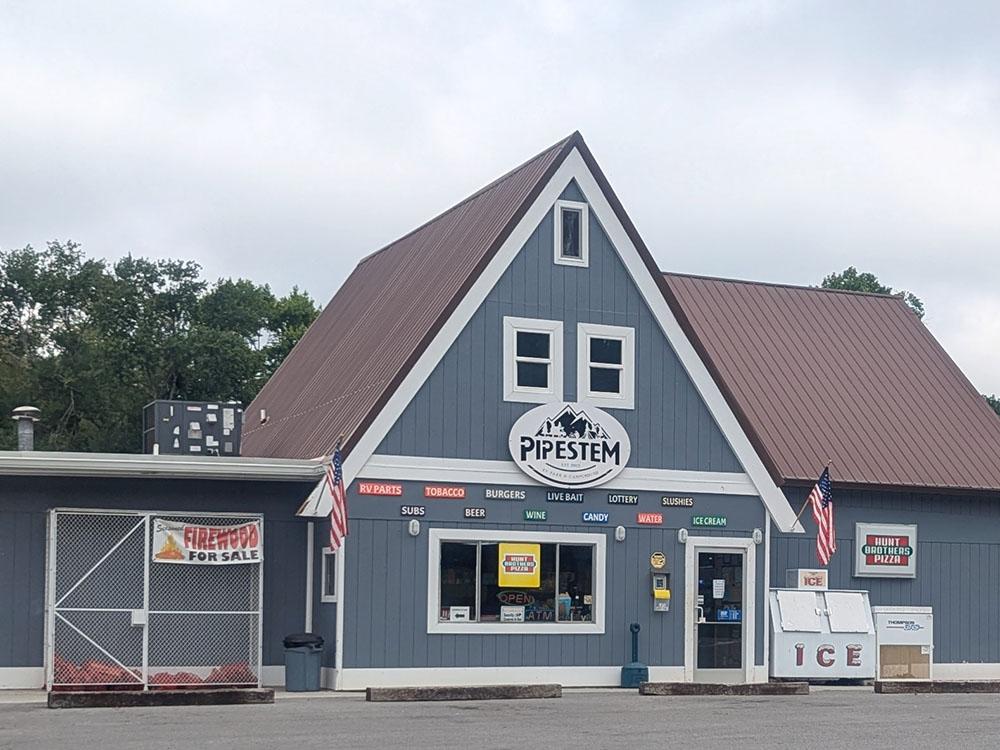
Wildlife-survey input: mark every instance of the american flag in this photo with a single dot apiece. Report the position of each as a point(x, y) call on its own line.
point(821, 499)
point(338, 511)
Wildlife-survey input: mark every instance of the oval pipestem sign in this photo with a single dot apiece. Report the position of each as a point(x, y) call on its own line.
point(571, 445)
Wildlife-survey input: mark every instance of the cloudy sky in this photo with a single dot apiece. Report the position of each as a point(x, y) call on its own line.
point(284, 141)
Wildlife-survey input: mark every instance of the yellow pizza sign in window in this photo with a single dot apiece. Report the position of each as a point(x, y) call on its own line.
point(520, 565)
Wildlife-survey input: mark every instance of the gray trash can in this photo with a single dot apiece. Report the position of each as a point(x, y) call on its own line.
point(303, 662)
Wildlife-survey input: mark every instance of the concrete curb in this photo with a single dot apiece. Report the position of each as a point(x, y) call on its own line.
point(697, 688)
point(474, 693)
point(146, 698)
point(898, 687)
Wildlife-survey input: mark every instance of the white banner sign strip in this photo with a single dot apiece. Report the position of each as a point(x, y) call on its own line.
point(197, 544)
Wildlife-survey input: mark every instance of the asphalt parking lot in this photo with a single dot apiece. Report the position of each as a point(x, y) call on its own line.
point(826, 719)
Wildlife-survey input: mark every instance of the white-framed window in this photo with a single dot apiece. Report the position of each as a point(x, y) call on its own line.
point(605, 369)
point(533, 360)
point(328, 579)
point(466, 592)
point(572, 223)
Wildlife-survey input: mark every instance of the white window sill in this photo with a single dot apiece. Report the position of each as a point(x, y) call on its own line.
point(532, 397)
point(475, 628)
point(608, 402)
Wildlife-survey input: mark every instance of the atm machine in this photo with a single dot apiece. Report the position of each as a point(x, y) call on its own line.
point(818, 634)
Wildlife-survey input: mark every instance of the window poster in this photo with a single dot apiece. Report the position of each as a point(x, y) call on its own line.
point(519, 565)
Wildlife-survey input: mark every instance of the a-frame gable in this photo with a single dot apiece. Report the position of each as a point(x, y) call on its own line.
point(577, 166)
point(461, 412)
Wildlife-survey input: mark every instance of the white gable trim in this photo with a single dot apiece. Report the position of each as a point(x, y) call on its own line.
point(573, 167)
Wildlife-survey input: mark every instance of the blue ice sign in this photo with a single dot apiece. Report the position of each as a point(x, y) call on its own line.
point(590, 516)
point(730, 615)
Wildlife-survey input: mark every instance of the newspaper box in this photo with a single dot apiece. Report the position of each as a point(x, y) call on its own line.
point(905, 637)
point(822, 635)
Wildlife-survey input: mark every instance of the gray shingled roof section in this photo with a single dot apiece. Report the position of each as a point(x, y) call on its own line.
point(356, 353)
point(816, 375)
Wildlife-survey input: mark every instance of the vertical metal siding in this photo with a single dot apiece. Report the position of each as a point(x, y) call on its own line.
point(22, 587)
point(460, 412)
point(24, 503)
point(958, 563)
point(385, 620)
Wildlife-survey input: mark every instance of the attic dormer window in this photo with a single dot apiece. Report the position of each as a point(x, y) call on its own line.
point(571, 222)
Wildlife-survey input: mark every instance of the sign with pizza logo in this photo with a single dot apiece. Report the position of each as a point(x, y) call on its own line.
point(198, 544)
point(519, 565)
point(883, 550)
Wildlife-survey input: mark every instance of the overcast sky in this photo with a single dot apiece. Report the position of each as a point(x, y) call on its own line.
point(284, 141)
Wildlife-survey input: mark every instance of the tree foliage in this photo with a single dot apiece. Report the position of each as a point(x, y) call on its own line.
point(854, 281)
point(994, 402)
point(851, 280)
point(90, 343)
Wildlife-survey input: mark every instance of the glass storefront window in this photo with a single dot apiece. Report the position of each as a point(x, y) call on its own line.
point(576, 575)
point(564, 592)
point(458, 581)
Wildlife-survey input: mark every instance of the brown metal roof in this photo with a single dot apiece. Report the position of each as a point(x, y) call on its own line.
point(356, 353)
point(815, 375)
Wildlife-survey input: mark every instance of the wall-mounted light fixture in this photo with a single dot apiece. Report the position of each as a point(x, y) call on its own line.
point(619, 533)
point(758, 536)
point(414, 528)
point(682, 536)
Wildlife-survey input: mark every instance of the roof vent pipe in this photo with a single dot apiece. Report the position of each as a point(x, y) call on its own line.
point(26, 416)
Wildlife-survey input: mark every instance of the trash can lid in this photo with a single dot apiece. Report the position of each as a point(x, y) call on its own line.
point(303, 639)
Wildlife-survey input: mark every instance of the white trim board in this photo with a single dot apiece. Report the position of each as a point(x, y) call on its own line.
point(475, 471)
point(966, 671)
point(22, 678)
point(359, 679)
point(573, 167)
point(272, 676)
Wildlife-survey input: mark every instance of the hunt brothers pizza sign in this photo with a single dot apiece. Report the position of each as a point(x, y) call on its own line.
point(884, 550)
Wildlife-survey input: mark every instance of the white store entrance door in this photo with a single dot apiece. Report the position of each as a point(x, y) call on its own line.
point(719, 616)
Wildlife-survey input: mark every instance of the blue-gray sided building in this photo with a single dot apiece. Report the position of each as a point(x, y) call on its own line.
point(547, 440)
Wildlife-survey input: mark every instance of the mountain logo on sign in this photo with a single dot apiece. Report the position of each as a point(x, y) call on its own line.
point(570, 423)
point(569, 445)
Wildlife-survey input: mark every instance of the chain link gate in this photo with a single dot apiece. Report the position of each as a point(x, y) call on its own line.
point(119, 620)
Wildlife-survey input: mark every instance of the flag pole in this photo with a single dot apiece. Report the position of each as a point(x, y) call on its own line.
point(803, 508)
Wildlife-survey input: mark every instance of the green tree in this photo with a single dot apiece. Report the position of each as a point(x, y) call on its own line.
point(90, 343)
point(854, 281)
point(994, 402)
point(851, 280)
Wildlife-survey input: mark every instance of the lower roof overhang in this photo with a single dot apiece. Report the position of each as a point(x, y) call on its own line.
point(57, 463)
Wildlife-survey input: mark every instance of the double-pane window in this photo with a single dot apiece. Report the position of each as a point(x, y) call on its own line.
point(606, 365)
point(532, 360)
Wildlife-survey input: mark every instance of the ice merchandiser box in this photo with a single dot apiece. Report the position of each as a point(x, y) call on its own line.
point(822, 635)
point(905, 637)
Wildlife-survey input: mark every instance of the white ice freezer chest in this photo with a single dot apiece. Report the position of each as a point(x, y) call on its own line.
point(822, 635)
